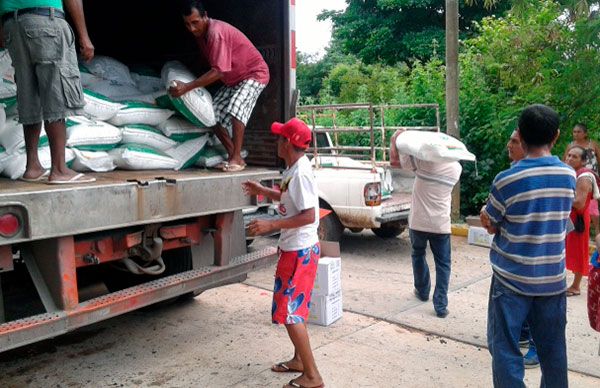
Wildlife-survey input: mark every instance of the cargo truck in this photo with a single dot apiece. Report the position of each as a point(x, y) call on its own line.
point(71, 256)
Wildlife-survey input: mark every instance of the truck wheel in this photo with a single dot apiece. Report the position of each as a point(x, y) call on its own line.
point(389, 230)
point(330, 228)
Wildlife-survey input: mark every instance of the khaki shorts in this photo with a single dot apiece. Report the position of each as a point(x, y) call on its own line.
point(46, 71)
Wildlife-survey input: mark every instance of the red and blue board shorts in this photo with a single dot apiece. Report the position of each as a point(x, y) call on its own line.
point(294, 282)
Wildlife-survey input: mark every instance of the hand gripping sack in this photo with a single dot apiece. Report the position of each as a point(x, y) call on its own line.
point(196, 105)
point(432, 147)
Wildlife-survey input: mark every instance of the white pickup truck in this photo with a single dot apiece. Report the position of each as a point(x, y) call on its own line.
point(360, 196)
point(355, 182)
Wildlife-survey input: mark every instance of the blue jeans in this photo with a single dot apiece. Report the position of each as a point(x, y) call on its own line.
point(440, 247)
point(547, 319)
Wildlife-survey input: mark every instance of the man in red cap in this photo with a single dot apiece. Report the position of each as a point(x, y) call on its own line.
point(299, 249)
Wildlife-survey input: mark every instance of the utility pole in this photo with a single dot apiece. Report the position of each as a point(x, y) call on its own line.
point(452, 87)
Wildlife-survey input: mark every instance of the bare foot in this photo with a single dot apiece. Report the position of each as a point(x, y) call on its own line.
point(304, 381)
point(291, 366)
point(63, 174)
point(34, 173)
point(237, 160)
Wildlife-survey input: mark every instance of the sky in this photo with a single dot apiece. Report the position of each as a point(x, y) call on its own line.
point(313, 36)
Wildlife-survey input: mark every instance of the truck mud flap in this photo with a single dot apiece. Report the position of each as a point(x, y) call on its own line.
point(43, 326)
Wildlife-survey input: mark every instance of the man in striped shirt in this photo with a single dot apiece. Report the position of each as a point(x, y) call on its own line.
point(527, 210)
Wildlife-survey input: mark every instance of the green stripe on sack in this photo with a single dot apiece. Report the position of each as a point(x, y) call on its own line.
point(8, 102)
point(143, 127)
point(185, 112)
point(83, 69)
point(96, 147)
point(165, 102)
point(97, 95)
point(183, 137)
point(144, 149)
point(137, 104)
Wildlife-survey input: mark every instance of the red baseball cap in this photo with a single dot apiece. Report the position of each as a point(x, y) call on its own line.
point(295, 130)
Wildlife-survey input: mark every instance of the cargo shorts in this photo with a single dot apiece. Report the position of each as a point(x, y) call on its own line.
point(43, 53)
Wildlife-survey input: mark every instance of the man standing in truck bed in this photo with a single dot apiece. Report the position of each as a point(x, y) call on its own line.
point(237, 63)
point(42, 47)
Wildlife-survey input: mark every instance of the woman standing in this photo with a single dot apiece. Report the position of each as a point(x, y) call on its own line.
point(577, 244)
point(581, 139)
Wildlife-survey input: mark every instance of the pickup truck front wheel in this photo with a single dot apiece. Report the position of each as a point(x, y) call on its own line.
point(390, 230)
point(330, 228)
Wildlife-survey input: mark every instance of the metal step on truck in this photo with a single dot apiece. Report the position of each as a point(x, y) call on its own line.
point(71, 256)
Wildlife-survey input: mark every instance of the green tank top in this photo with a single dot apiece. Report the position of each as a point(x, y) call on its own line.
point(12, 5)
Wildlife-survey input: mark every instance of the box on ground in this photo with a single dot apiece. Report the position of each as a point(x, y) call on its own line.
point(325, 309)
point(479, 236)
point(329, 272)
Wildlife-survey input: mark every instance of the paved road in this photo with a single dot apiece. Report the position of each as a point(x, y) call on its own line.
point(224, 337)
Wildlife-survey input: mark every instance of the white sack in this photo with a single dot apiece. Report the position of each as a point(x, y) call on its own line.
point(97, 161)
point(432, 146)
point(140, 113)
point(180, 129)
point(91, 135)
point(109, 69)
point(148, 136)
point(137, 157)
point(187, 153)
point(100, 107)
point(196, 105)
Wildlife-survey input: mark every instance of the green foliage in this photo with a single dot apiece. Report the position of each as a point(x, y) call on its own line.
point(392, 31)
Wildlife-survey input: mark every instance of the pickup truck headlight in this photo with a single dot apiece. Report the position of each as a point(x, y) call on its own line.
point(373, 194)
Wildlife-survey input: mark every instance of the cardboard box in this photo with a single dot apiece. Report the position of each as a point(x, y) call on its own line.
point(479, 236)
point(329, 272)
point(329, 276)
point(325, 309)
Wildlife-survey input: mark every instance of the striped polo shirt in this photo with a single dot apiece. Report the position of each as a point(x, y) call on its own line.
point(530, 204)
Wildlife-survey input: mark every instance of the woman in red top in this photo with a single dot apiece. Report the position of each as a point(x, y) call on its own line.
point(577, 244)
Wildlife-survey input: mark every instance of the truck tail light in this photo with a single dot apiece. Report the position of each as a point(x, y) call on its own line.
point(373, 194)
point(9, 225)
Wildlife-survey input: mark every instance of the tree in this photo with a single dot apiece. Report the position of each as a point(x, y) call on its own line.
point(392, 31)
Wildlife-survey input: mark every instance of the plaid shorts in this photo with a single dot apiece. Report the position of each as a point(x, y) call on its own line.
point(237, 101)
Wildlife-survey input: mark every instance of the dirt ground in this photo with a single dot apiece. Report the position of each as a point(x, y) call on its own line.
point(224, 337)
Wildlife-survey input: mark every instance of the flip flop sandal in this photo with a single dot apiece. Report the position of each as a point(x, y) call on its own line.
point(572, 293)
point(294, 384)
point(77, 179)
point(234, 168)
point(283, 368)
point(221, 166)
point(41, 178)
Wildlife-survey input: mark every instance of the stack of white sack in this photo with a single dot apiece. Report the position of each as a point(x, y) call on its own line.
point(432, 147)
point(137, 134)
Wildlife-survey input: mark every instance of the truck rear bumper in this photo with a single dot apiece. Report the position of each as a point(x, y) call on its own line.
point(390, 217)
point(43, 326)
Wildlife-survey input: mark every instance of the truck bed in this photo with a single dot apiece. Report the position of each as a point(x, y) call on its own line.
point(125, 198)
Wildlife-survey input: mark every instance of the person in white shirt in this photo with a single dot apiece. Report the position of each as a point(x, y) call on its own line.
point(429, 221)
point(299, 248)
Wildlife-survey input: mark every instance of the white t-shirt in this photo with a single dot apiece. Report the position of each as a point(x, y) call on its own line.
point(299, 192)
point(432, 194)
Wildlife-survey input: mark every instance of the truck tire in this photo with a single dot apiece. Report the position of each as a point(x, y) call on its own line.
point(390, 230)
point(330, 228)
